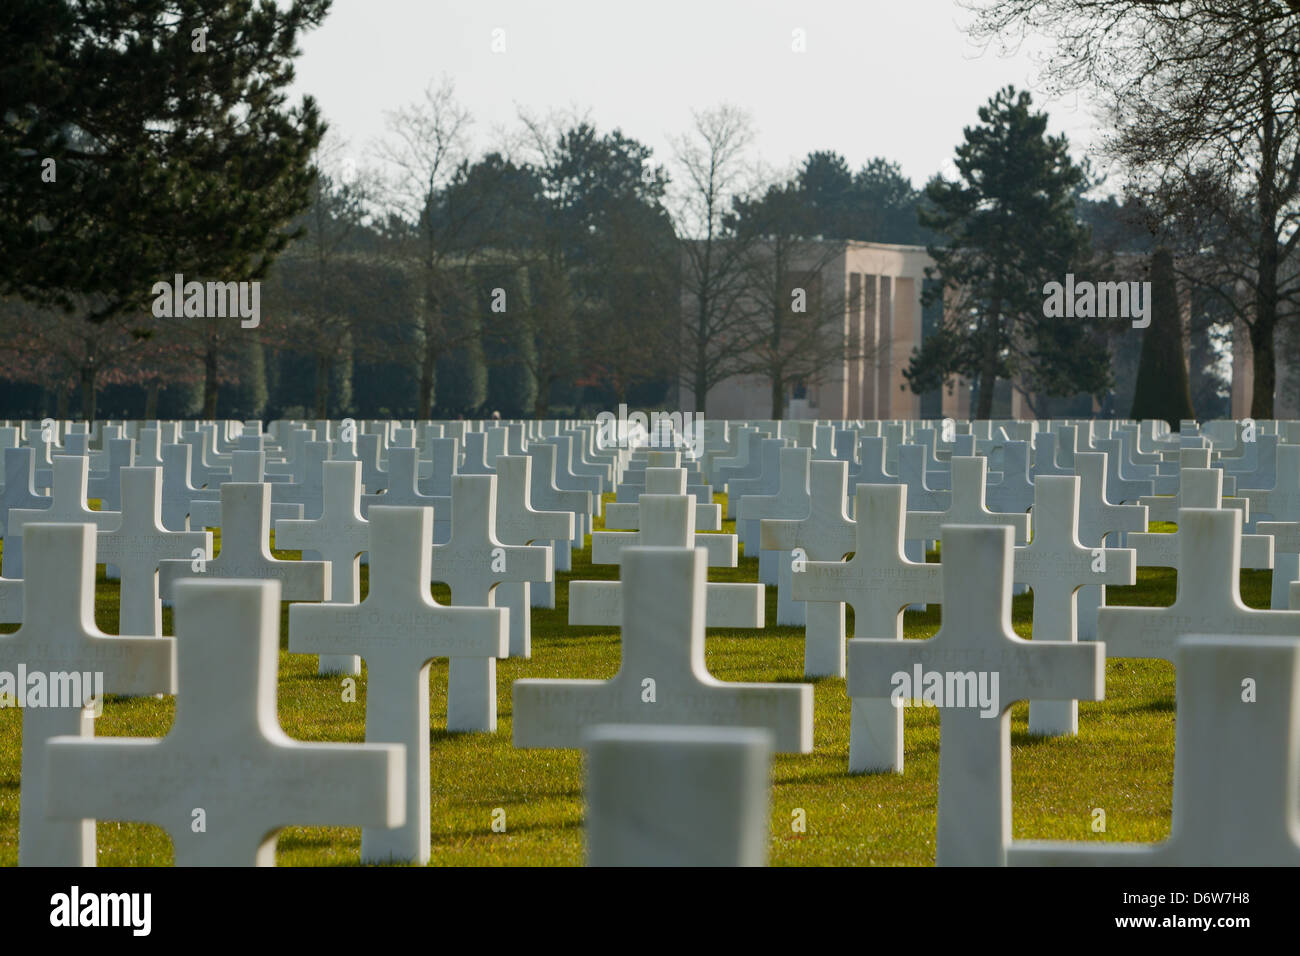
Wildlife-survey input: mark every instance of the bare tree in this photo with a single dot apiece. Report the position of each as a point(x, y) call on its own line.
point(427, 141)
point(794, 334)
point(1205, 101)
point(713, 169)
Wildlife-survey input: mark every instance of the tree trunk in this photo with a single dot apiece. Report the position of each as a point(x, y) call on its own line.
point(1263, 358)
point(701, 389)
point(427, 364)
point(61, 405)
point(151, 400)
point(778, 398)
point(88, 393)
point(210, 382)
point(989, 365)
point(323, 386)
point(1261, 330)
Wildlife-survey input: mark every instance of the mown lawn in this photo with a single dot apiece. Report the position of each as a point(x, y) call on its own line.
point(1121, 762)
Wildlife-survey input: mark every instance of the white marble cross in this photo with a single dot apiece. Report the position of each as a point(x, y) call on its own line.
point(1236, 763)
point(245, 550)
point(226, 762)
point(247, 467)
point(67, 503)
point(546, 495)
point(567, 479)
point(663, 678)
point(1208, 599)
point(1055, 565)
point(974, 669)
point(1197, 488)
point(178, 489)
point(19, 494)
point(1282, 501)
point(966, 507)
point(826, 534)
point(1121, 487)
point(309, 491)
point(58, 636)
point(766, 482)
point(792, 500)
point(107, 486)
point(473, 564)
point(11, 600)
point(138, 544)
point(1285, 537)
point(607, 546)
point(924, 484)
point(625, 516)
point(399, 629)
point(519, 523)
point(403, 491)
point(207, 467)
point(1098, 517)
point(1015, 492)
point(678, 796)
point(1202, 488)
point(442, 465)
point(339, 536)
point(878, 582)
point(1262, 473)
point(600, 603)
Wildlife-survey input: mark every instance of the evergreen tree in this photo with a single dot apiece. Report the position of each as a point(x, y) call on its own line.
point(1009, 228)
point(144, 138)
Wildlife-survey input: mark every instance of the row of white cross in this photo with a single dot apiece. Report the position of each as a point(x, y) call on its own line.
point(399, 629)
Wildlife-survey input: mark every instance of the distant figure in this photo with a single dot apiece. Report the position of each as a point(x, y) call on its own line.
point(496, 416)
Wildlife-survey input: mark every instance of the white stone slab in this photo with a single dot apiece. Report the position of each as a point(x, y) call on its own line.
point(678, 796)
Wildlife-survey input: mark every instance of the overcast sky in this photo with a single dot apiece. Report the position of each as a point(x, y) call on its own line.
point(892, 78)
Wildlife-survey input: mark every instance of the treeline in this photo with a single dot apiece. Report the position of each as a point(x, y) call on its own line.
point(423, 281)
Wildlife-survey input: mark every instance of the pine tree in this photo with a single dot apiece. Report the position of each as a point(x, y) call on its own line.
point(1008, 226)
point(144, 138)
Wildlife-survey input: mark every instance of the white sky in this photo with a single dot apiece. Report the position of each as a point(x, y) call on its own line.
point(892, 78)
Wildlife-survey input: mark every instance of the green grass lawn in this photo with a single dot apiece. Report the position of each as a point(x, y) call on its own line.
point(1121, 761)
